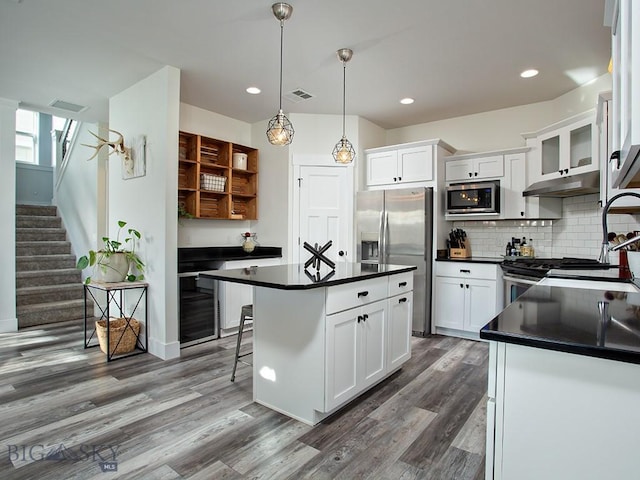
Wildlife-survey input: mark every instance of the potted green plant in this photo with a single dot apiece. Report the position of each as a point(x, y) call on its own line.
point(114, 262)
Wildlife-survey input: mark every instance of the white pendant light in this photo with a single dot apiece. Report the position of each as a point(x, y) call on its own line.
point(280, 131)
point(344, 152)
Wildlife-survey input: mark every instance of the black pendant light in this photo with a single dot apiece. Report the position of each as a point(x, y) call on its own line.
point(344, 152)
point(280, 131)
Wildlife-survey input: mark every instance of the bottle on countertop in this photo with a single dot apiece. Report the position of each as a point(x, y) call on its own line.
point(508, 250)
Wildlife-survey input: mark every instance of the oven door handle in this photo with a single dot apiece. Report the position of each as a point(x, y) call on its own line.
point(521, 280)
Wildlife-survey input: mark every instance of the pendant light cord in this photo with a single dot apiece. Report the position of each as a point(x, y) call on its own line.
point(344, 93)
point(281, 56)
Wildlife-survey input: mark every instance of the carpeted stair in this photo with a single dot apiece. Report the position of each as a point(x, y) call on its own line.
point(48, 286)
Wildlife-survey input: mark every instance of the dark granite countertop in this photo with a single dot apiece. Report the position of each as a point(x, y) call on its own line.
point(597, 323)
point(496, 260)
point(194, 259)
point(294, 276)
point(612, 274)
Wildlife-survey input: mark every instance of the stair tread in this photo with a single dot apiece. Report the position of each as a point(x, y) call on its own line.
point(47, 256)
point(40, 307)
point(47, 288)
point(52, 229)
point(46, 272)
point(40, 242)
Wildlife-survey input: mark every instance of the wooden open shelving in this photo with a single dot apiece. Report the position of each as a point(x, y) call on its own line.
point(200, 155)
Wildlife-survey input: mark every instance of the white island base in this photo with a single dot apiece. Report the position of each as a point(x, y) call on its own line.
point(316, 349)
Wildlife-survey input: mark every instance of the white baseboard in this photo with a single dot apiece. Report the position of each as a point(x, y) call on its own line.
point(164, 351)
point(8, 325)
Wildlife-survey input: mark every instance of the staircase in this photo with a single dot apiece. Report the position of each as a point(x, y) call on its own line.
point(48, 286)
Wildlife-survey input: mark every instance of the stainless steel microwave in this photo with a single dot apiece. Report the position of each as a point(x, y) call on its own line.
point(483, 197)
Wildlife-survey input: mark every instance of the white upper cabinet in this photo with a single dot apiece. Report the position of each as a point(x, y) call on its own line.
point(415, 164)
point(401, 165)
point(515, 182)
point(466, 168)
point(565, 148)
point(410, 163)
point(624, 19)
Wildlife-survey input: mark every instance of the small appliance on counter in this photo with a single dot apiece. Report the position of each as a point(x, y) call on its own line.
point(458, 244)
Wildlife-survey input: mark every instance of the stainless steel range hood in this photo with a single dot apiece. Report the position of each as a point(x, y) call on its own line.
point(570, 186)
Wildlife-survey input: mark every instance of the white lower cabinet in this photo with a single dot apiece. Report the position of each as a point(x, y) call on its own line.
point(467, 296)
point(557, 415)
point(399, 330)
point(317, 349)
point(356, 353)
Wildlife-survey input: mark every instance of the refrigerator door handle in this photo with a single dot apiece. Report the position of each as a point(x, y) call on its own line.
point(384, 254)
point(382, 232)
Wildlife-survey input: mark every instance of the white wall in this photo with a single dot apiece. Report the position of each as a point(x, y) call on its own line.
point(81, 193)
point(202, 232)
point(272, 225)
point(8, 319)
point(370, 135)
point(149, 203)
point(501, 129)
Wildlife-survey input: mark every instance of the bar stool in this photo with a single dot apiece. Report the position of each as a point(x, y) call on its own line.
point(245, 314)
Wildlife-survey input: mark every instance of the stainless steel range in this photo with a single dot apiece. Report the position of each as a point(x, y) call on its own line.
point(521, 273)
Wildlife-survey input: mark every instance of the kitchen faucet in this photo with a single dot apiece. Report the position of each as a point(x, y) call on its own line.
point(604, 251)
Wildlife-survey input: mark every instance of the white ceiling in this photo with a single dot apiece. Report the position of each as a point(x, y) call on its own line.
point(455, 57)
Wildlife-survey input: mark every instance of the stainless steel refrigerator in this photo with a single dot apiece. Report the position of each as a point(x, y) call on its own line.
point(396, 227)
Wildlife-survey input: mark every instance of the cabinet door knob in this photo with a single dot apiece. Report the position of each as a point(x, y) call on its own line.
point(465, 271)
point(467, 285)
point(402, 284)
point(522, 214)
point(364, 317)
point(342, 253)
point(399, 179)
point(560, 171)
point(566, 170)
point(359, 318)
point(461, 286)
point(395, 179)
point(470, 174)
point(402, 300)
point(475, 174)
point(363, 294)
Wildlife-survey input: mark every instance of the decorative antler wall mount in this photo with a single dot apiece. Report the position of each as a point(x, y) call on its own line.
point(131, 166)
point(117, 146)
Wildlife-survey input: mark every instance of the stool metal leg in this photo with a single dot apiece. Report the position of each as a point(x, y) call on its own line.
point(237, 356)
point(247, 313)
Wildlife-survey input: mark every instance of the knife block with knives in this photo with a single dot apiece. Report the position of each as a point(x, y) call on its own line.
point(458, 244)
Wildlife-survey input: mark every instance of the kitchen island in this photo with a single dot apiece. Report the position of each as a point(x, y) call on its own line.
point(321, 338)
point(564, 385)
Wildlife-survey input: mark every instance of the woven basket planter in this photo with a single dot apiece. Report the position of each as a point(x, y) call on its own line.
point(122, 338)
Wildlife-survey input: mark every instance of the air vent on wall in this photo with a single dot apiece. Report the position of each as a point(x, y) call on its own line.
point(298, 95)
point(71, 107)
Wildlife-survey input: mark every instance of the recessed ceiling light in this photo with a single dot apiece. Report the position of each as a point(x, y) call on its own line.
point(529, 73)
point(407, 101)
point(253, 90)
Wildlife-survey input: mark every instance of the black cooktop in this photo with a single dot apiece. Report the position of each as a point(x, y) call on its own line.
point(538, 267)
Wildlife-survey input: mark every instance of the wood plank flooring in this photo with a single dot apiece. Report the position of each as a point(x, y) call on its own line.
point(67, 414)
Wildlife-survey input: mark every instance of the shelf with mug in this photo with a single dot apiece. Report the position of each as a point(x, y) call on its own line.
point(217, 179)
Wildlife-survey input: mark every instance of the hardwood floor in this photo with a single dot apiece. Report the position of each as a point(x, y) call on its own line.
point(67, 414)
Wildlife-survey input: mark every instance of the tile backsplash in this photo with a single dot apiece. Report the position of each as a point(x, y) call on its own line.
point(577, 234)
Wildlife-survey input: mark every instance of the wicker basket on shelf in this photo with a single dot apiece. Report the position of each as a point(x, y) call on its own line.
point(122, 337)
point(212, 183)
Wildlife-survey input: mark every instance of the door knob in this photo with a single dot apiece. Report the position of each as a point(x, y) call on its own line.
point(342, 253)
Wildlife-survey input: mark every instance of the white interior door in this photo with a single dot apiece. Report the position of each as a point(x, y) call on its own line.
point(325, 211)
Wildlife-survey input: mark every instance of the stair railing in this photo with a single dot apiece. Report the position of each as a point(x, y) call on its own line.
point(65, 141)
